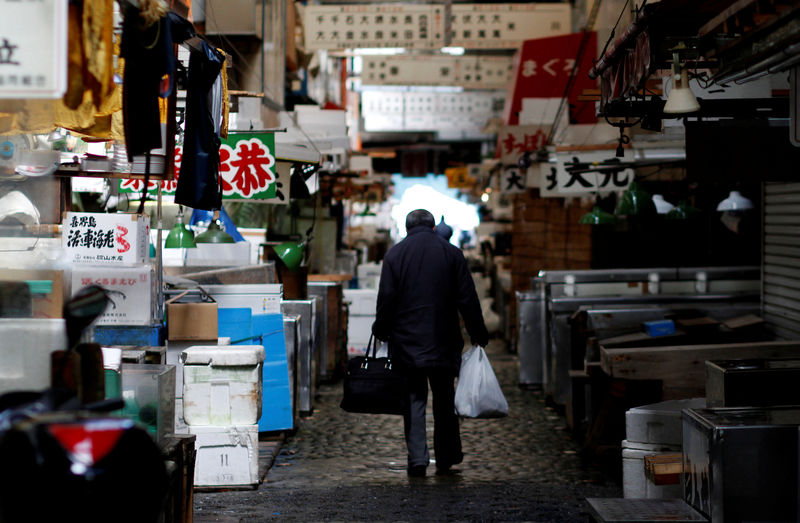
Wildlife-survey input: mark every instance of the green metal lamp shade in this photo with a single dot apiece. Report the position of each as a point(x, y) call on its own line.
point(290, 253)
point(597, 216)
point(636, 201)
point(214, 234)
point(181, 236)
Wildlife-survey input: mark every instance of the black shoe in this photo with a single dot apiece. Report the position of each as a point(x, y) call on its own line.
point(417, 471)
point(443, 470)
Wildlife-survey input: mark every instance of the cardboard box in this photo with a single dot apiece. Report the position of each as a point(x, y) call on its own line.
point(130, 290)
point(106, 239)
point(188, 320)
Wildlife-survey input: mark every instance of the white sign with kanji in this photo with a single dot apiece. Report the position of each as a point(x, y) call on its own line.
point(351, 26)
point(469, 72)
point(506, 26)
point(585, 173)
point(33, 48)
point(513, 180)
point(515, 140)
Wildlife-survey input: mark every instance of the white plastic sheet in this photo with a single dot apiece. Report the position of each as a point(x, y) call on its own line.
point(478, 393)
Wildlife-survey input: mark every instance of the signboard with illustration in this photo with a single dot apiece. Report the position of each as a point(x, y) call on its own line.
point(247, 170)
point(107, 239)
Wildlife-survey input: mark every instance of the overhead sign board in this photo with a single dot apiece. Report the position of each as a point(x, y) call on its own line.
point(506, 26)
point(515, 140)
point(352, 26)
point(584, 173)
point(425, 26)
point(469, 72)
point(542, 69)
point(33, 48)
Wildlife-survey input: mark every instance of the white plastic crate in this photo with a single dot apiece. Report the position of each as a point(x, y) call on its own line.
point(222, 385)
point(226, 456)
point(362, 301)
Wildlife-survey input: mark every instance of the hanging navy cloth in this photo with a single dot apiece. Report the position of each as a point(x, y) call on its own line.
point(149, 55)
point(198, 183)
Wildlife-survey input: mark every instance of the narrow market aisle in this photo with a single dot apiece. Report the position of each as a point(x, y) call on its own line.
point(342, 467)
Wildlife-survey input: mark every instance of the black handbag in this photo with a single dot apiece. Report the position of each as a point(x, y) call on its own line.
point(373, 385)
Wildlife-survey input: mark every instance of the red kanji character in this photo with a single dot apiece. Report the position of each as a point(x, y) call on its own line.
point(225, 154)
point(252, 167)
point(509, 143)
point(86, 281)
point(534, 141)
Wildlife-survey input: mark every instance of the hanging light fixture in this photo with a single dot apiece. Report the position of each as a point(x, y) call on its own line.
point(214, 234)
point(180, 236)
point(597, 216)
point(735, 202)
point(635, 201)
point(681, 99)
point(662, 205)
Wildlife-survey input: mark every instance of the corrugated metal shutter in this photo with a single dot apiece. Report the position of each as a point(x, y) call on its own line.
point(781, 285)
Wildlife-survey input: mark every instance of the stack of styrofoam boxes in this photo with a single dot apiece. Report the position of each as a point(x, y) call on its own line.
point(222, 391)
point(112, 251)
point(369, 275)
point(652, 429)
point(360, 319)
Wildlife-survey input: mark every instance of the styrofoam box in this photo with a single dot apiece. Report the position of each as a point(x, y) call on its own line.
point(222, 385)
point(658, 422)
point(25, 347)
point(174, 350)
point(226, 456)
point(106, 239)
point(362, 301)
point(360, 349)
point(260, 298)
point(359, 328)
point(634, 482)
point(369, 275)
point(130, 291)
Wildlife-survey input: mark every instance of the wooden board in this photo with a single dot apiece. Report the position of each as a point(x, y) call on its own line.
point(682, 368)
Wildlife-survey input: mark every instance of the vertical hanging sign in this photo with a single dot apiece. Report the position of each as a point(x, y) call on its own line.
point(33, 49)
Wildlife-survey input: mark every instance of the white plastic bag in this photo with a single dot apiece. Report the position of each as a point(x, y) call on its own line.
point(478, 393)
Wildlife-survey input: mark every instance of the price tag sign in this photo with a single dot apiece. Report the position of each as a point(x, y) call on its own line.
point(33, 48)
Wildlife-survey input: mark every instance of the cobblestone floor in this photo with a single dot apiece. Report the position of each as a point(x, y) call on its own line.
point(350, 467)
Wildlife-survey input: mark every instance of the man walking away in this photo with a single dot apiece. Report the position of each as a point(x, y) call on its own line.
point(425, 283)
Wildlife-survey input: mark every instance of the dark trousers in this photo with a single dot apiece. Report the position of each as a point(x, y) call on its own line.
point(446, 436)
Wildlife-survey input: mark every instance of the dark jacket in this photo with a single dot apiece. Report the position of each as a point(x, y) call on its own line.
point(425, 283)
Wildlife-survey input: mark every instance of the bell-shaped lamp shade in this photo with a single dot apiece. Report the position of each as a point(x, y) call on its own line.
point(290, 253)
point(597, 216)
point(735, 202)
point(682, 211)
point(662, 205)
point(180, 236)
point(635, 201)
point(681, 99)
point(214, 234)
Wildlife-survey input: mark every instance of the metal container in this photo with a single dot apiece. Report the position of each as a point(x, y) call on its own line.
point(753, 382)
point(529, 345)
point(326, 347)
point(306, 343)
point(740, 464)
point(291, 327)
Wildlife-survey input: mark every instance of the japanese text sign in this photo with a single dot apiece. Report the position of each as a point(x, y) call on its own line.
point(33, 48)
point(584, 173)
point(130, 291)
point(247, 170)
point(506, 26)
point(459, 178)
point(106, 239)
point(542, 69)
point(514, 140)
